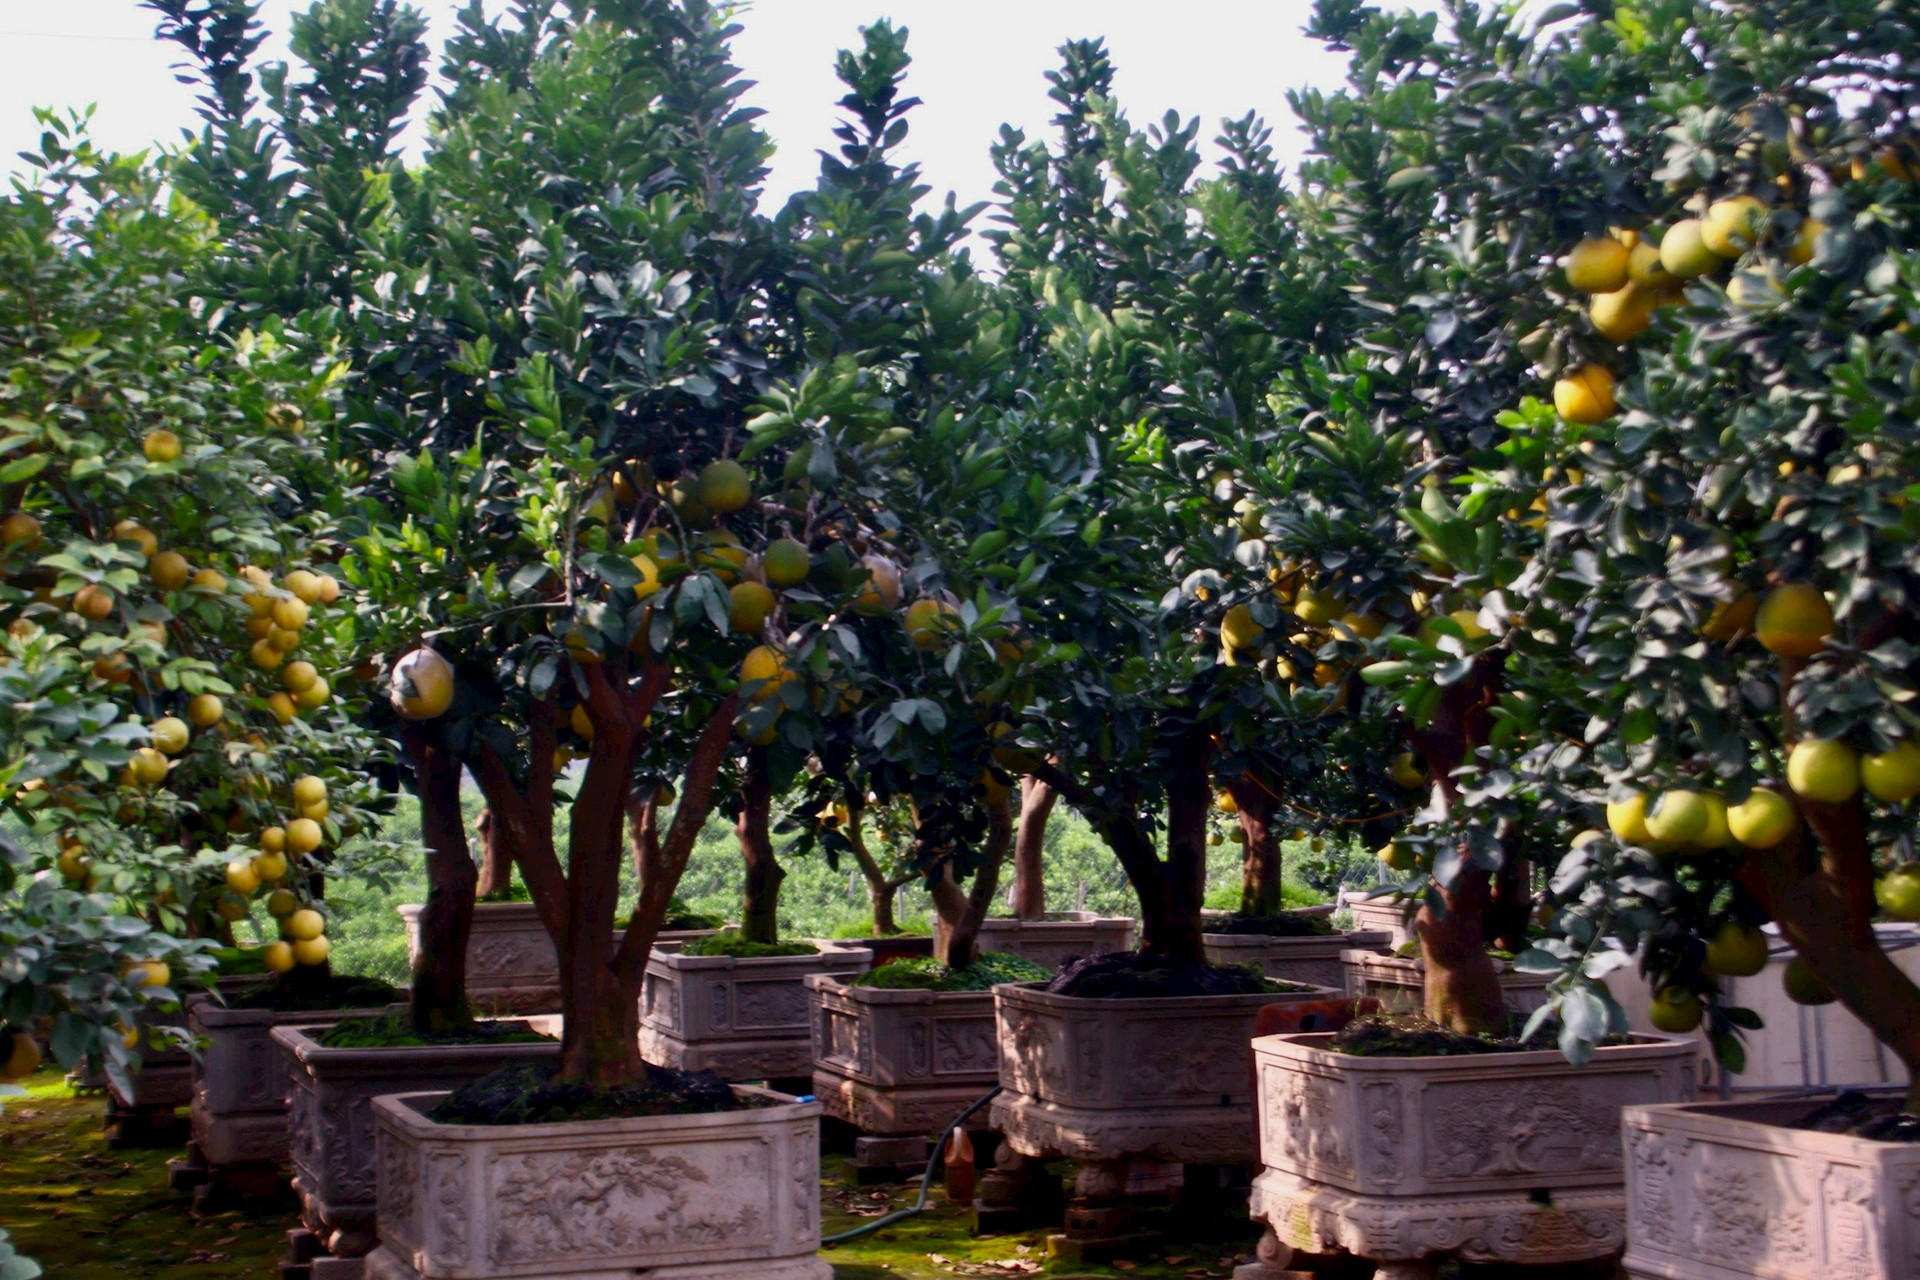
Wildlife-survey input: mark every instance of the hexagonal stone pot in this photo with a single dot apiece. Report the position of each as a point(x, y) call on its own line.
point(511, 964)
point(1726, 1191)
point(686, 1197)
point(900, 1063)
point(1399, 982)
point(1317, 960)
point(1498, 1157)
point(331, 1120)
point(1060, 937)
point(240, 1081)
point(745, 1019)
point(1161, 1078)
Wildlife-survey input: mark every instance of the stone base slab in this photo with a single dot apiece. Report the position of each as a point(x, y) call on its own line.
point(385, 1264)
point(770, 1058)
point(906, 1113)
point(1314, 1218)
point(1184, 1135)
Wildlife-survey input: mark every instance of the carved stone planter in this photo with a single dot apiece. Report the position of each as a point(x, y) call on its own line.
point(697, 1197)
point(1164, 1079)
point(1399, 982)
point(331, 1124)
point(900, 1063)
point(240, 1083)
point(511, 964)
point(744, 1019)
point(1721, 1191)
point(1062, 936)
point(1381, 913)
point(1499, 1157)
point(1317, 960)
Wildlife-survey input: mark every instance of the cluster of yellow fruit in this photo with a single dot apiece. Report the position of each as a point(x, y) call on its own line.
point(303, 937)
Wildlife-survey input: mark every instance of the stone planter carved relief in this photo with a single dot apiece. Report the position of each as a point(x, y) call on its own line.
point(331, 1121)
point(671, 1197)
point(1110, 1079)
point(240, 1081)
point(900, 1063)
point(1721, 1191)
point(1062, 936)
point(1310, 959)
point(511, 964)
point(745, 1019)
point(1501, 1158)
point(1399, 982)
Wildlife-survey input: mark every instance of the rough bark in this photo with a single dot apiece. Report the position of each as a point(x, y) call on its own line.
point(438, 997)
point(760, 897)
point(881, 887)
point(496, 858)
point(1261, 872)
point(643, 830)
point(1029, 848)
point(959, 915)
point(1462, 989)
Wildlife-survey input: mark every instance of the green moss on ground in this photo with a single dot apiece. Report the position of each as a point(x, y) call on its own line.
point(395, 1031)
point(732, 944)
point(924, 973)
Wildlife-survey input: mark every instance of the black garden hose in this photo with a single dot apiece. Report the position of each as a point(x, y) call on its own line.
point(926, 1179)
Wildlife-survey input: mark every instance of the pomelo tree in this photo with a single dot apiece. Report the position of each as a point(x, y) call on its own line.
point(178, 739)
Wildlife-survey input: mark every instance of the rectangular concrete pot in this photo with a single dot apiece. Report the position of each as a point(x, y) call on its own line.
point(1724, 1191)
point(694, 1197)
point(1399, 982)
point(1306, 959)
point(1062, 936)
point(744, 1019)
point(240, 1080)
point(331, 1126)
point(1165, 1079)
point(511, 964)
point(900, 1063)
point(1498, 1157)
point(1381, 913)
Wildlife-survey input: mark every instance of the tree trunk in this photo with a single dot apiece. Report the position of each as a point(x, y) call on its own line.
point(956, 936)
point(1462, 987)
point(439, 983)
point(496, 859)
point(1029, 873)
point(643, 832)
point(760, 899)
point(1179, 930)
point(1261, 873)
point(880, 889)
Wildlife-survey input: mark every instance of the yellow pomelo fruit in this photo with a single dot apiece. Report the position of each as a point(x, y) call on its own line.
point(270, 866)
point(160, 446)
point(1674, 1010)
point(298, 676)
point(314, 695)
point(1898, 892)
point(1823, 771)
point(580, 720)
point(1585, 395)
point(241, 877)
point(281, 903)
point(1684, 252)
point(1407, 772)
point(170, 734)
point(1794, 620)
point(1624, 314)
point(305, 585)
point(1891, 776)
point(210, 580)
point(1678, 817)
point(265, 654)
point(1736, 951)
point(1238, 630)
point(931, 623)
point(1803, 985)
point(880, 593)
point(312, 950)
point(422, 685)
point(1597, 264)
point(149, 973)
point(273, 840)
point(1730, 617)
point(1645, 268)
point(169, 570)
point(149, 767)
point(282, 707)
point(1733, 226)
point(1717, 834)
point(1225, 803)
point(303, 835)
point(1396, 856)
point(290, 614)
point(1806, 241)
point(277, 956)
point(23, 1055)
point(308, 789)
point(19, 529)
point(304, 924)
point(1627, 819)
point(749, 604)
point(1317, 608)
point(725, 486)
point(786, 562)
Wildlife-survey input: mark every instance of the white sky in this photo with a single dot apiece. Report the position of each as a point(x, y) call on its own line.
point(976, 65)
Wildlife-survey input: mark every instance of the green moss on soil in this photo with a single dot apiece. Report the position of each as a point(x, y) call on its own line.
point(732, 944)
point(297, 991)
point(395, 1031)
point(1390, 1036)
point(1285, 925)
point(924, 973)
